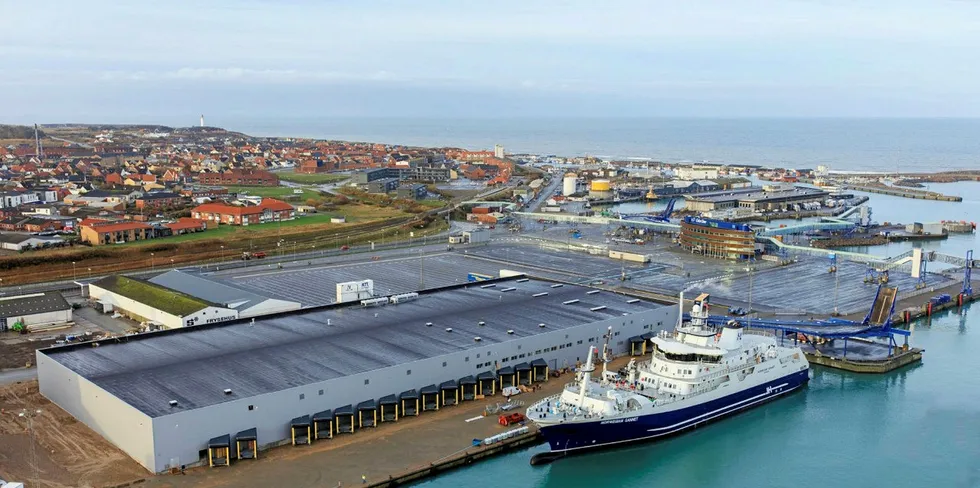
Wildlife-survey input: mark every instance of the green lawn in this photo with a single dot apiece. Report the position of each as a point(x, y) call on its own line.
point(310, 179)
point(280, 192)
point(434, 203)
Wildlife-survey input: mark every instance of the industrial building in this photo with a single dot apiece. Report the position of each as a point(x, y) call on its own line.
point(753, 198)
point(717, 238)
point(246, 303)
point(162, 396)
point(156, 305)
point(32, 310)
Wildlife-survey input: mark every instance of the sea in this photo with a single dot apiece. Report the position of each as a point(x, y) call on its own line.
point(918, 426)
point(849, 144)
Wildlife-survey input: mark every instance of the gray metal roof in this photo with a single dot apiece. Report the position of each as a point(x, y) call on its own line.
point(209, 290)
point(300, 348)
point(19, 306)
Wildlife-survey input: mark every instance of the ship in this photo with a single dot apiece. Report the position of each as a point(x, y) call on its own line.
point(696, 374)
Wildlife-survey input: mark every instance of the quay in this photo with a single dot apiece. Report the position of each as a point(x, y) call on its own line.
point(393, 454)
point(907, 193)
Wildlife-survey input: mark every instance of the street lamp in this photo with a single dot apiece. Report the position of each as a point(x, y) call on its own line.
point(73, 275)
point(151, 262)
point(30, 429)
point(171, 263)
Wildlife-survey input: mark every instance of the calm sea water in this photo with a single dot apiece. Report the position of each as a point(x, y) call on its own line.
point(844, 144)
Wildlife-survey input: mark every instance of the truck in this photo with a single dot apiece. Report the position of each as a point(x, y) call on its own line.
point(252, 255)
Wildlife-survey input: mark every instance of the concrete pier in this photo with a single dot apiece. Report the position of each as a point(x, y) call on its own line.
point(907, 193)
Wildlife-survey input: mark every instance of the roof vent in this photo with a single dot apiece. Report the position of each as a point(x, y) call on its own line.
point(541, 325)
point(593, 292)
point(482, 323)
point(539, 294)
point(173, 403)
point(227, 391)
point(569, 302)
point(557, 285)
point(510, 331)
point(522, 280)
point(449, 329)
point(509, 288)
point(491, 285)
point(633, 300)
point(477, 339)
point(428, 324)
point(596, 309)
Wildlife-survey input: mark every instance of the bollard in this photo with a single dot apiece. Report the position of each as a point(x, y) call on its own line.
point(929, 310)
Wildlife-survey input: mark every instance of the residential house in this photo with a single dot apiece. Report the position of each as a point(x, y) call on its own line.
point(10, 199)
point(158, 199)
point(242, 177)
point(268, 210)
point(101, 233)
point(187, 225)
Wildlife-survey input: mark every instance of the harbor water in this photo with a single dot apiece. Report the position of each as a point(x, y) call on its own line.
point(917, 426)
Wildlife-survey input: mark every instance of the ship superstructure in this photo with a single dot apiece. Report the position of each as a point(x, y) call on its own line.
point(696, 374)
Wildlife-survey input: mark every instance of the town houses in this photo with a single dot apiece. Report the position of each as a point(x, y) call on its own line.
point(131, 183)
point(245, 213)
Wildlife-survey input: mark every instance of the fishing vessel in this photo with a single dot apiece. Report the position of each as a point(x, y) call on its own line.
point(696, 374)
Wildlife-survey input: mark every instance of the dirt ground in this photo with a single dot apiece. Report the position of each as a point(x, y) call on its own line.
point(68, 454)
point(17, 355)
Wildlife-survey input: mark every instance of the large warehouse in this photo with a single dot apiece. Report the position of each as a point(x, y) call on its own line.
point(161, 396)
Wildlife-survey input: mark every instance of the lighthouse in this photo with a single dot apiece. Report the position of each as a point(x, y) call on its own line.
point(202, 120)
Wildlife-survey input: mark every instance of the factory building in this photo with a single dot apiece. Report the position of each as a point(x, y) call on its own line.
point(717, 238)
point(162, 397)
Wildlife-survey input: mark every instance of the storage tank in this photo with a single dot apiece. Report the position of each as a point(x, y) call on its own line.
point(600, 185)
point(568, 184)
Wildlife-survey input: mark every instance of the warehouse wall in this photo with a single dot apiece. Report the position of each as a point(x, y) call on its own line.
point(121, 424)
point(56, 317)
point(159, 316)
point(182, 435)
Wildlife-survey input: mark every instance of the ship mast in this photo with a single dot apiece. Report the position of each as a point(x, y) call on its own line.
point(605, 351)
point(586, 377)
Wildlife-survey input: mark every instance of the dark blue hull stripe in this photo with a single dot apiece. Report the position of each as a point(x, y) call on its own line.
point(601, 433)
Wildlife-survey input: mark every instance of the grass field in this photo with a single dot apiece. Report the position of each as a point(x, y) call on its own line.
point(310, 179)
point(280, 192)
point(354, 213)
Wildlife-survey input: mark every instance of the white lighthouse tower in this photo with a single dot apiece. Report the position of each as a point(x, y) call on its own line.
point(202, 120)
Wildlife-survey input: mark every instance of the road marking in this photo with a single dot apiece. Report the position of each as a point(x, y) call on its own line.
point(333, 265)
point(474, 418)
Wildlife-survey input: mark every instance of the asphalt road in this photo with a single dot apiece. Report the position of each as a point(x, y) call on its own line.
point(9, 376)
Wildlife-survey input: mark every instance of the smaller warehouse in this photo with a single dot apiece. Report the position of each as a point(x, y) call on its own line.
point(33, 310)
point(155, 304)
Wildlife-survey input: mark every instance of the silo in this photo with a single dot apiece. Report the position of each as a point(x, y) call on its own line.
point(569, 183)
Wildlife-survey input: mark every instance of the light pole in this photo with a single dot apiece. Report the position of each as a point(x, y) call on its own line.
point(172, 263)
point(750, 269)
point(836, 288)
point(30, 429)
point(151, 262)
point(73, 275)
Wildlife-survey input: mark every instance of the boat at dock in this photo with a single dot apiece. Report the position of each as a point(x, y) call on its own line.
point(696, 374)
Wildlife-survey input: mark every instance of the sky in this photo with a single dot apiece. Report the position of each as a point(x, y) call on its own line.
point(168, 62)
